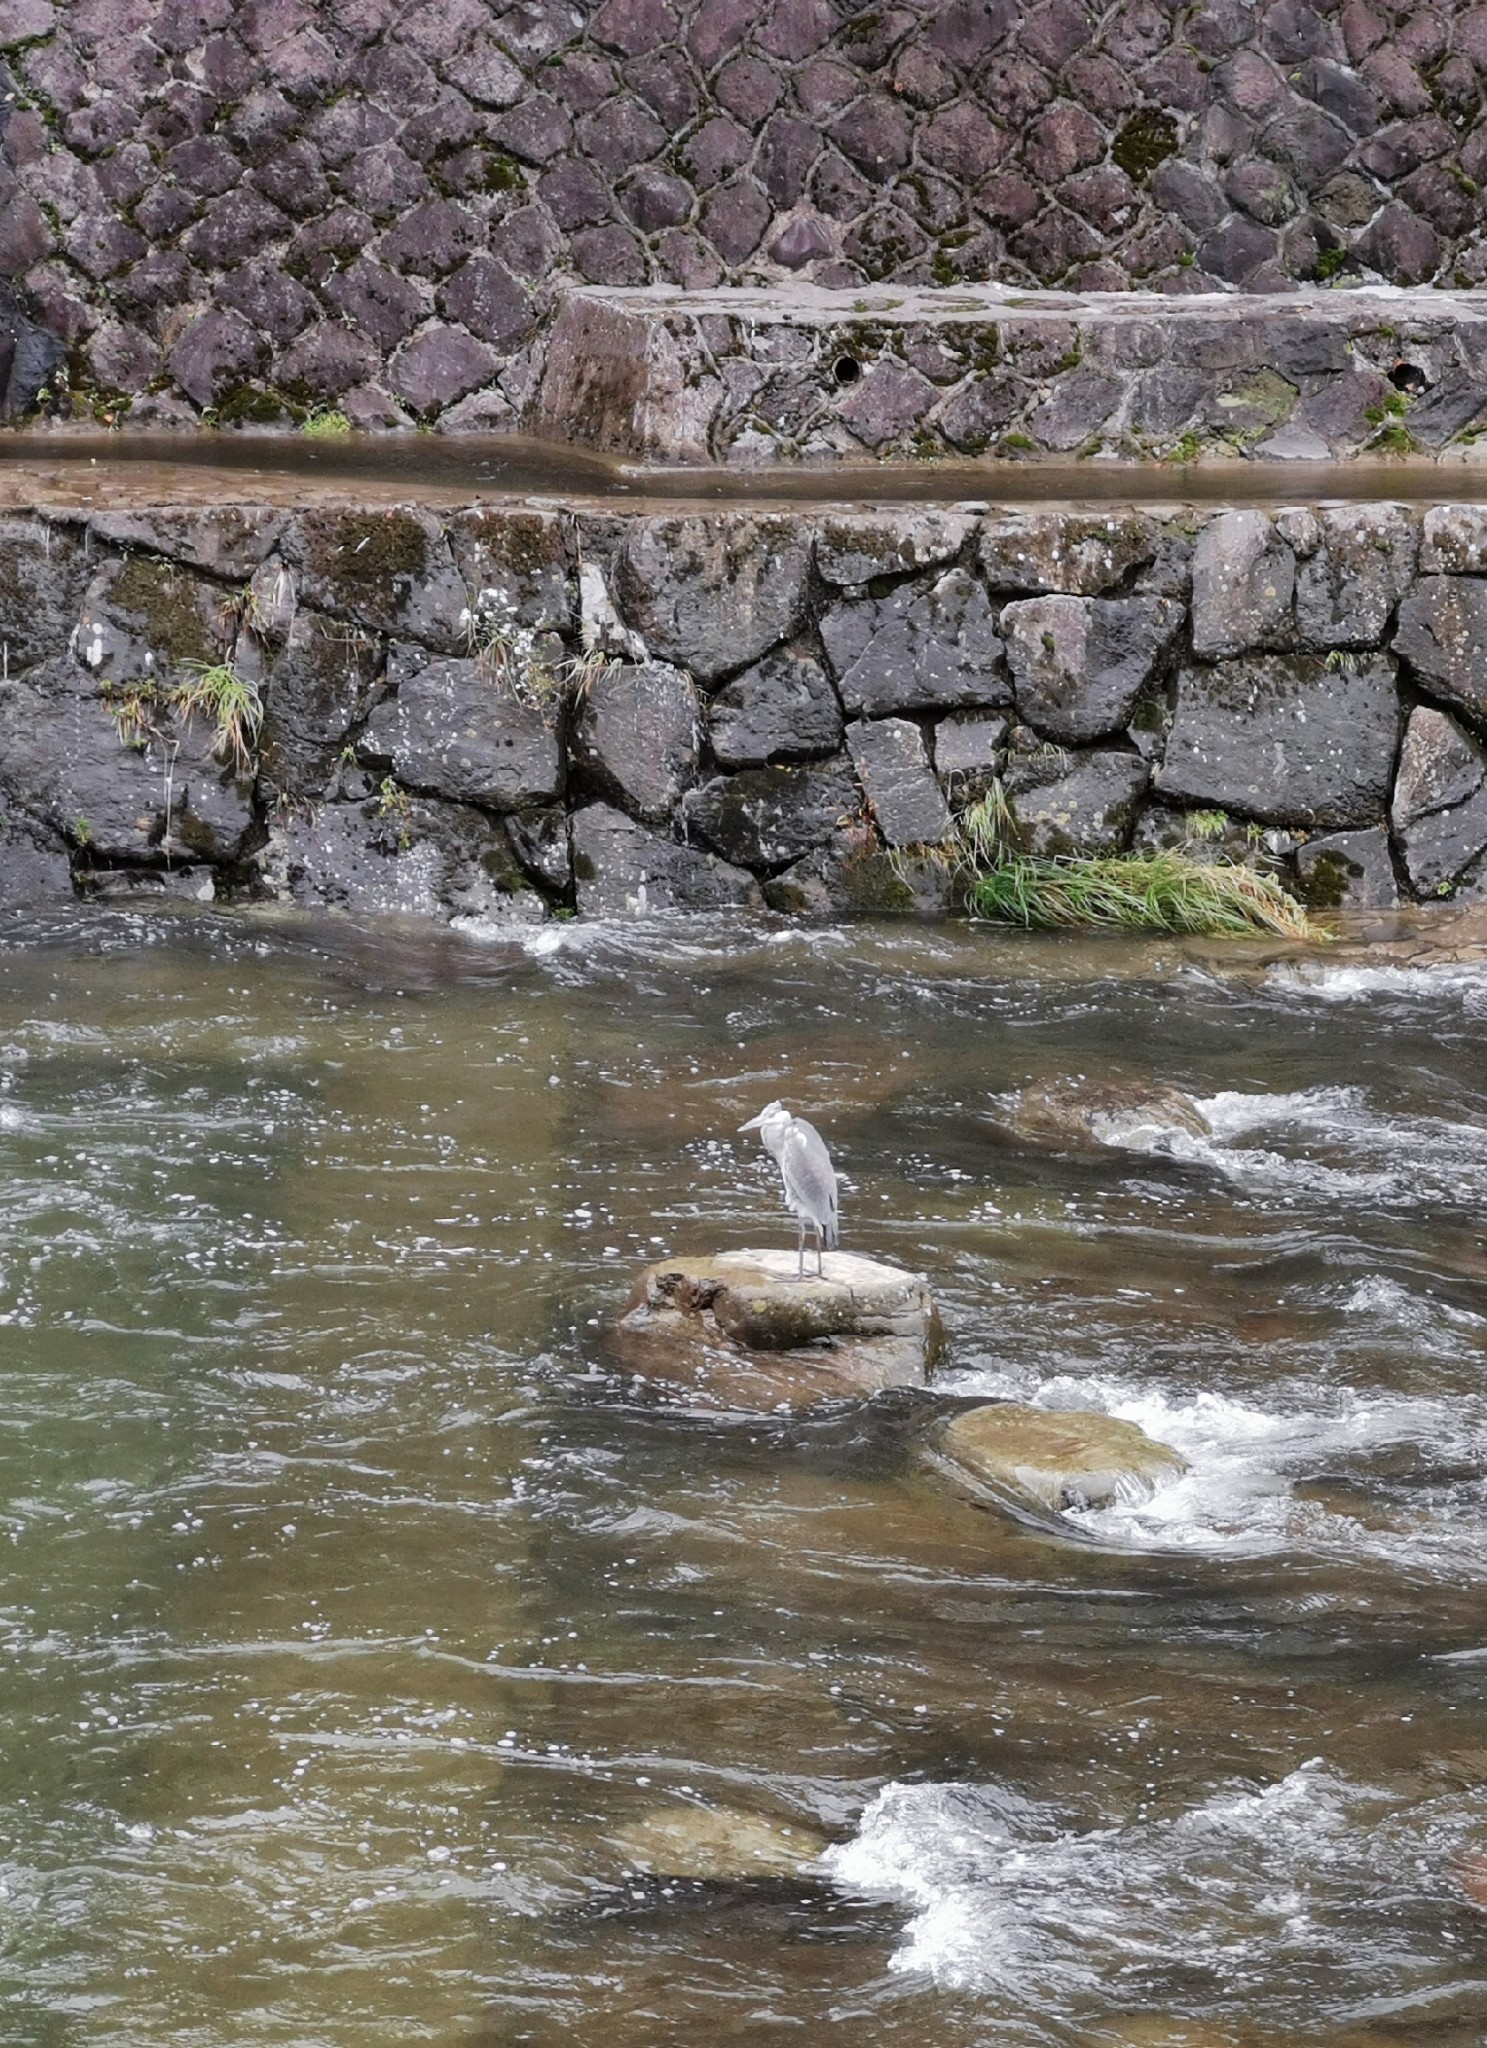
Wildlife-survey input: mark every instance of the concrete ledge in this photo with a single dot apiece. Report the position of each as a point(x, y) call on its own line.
point(797, 373)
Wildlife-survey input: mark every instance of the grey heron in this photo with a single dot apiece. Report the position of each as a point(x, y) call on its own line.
point(806, 1169)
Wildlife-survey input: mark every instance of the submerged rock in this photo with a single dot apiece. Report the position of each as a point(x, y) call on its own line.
point(718, 1844)
point(1006, 1454)
point(743, 1330)
point(1101, 1113)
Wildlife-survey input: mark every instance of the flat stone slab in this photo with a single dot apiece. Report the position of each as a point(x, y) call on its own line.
point(1049, 1459)
point(743, 1330)
point(787, 372)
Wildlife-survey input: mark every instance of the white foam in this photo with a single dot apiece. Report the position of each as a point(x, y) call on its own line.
point(1250, 1897)
point(1396, 1161)
point(1245, 1458)
point(1462, 979)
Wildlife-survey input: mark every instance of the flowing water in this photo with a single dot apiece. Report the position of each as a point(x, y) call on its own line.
point(356, 1606)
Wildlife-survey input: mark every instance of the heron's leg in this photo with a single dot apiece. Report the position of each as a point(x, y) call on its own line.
point(820, 1239)
point(800, 1248)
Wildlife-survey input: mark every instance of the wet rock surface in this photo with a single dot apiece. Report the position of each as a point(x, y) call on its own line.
point(1075, 803)
point(902, 793)
point(636, 736)
point(1439, 812)
point(1049, 1460)
point(740, 1329)
point(718, 1844)
point(1285, 738)
point(455, 730)
point(830, 735)
point(784, 708)
point(917, 649)
point(1079, 665)
point(620, 869)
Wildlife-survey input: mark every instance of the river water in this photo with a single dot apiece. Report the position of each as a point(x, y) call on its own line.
point(356, 1607)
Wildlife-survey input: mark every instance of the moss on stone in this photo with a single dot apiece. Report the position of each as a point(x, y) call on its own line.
point(166, 603)
point(254, 405)
point(1147, 139)
point(375, 557)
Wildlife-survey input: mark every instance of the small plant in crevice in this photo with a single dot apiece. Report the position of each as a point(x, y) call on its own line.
point(133, 707)
point(1208, 825)
point(327, 423)
point(523, 660)
point(1166, 891)
point(394, 803)
point(216, 691)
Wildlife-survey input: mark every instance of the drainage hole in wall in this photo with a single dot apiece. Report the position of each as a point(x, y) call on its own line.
point(1408, 377)
point(846, 369)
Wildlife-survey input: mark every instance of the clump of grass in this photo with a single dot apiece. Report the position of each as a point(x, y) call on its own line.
point(216, 691)
point(1160, 892)
point(1167, 891)
point(325, 424)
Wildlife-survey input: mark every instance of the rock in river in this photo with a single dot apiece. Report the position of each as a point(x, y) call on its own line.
point(740, 1329)
point(718, 1844)
point(1048, 1459)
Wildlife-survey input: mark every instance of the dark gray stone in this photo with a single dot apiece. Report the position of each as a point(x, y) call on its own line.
point(1348, 871)
point(1075, 803)
point(765, 817)
point(917, 649)
point(34, 864)
point(539, 839)
point(620, 870)
point(902, 794)
point(636, 736)
point(1442, 635)
point(1439, 809)
point(454, 730)
point(1079, 664)
point(1285, 739)
point(388, 570)
point(969, 743)
point(856, 547)
point(398, 856)
point(1082, 555)
point(62, 761)
point(1347, 590)
point(713, 595)
point(854, 875)
point(43, 573)
point(319, 684)
point(1244, 578)
point(782, 709)
point(1454, 540)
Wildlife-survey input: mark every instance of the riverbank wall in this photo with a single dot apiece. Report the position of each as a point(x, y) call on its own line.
point(237, 212)
point(505, 712)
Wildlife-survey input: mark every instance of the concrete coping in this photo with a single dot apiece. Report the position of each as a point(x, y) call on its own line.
point(808, 305)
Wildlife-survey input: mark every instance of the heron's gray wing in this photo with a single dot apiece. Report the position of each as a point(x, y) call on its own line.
point(810, 1179)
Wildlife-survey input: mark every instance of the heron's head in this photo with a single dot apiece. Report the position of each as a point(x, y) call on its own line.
point(772, 1113)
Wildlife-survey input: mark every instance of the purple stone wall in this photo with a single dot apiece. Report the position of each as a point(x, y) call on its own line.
point(221, 206)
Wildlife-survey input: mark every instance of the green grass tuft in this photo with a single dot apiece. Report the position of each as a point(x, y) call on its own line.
point(216, 691)
point(1154, 892)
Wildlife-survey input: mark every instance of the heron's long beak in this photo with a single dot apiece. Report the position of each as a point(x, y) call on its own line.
point(753, 1123)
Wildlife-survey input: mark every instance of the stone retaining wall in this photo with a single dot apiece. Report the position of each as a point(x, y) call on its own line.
point(230, 206)
point(768, 711)
point(798, 374)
